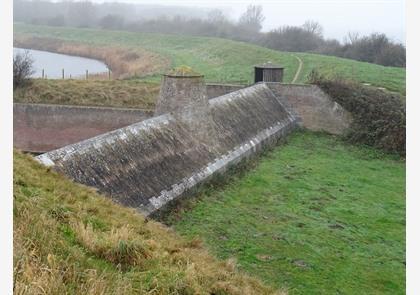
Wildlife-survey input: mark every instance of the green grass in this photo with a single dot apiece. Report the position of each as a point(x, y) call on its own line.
point(113, 93)
point(391, 78)
point(222, 60)
point(68, 239)
point(315, 215)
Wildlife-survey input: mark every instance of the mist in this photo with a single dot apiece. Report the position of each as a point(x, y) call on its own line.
point(337, 17)
point(369, 31)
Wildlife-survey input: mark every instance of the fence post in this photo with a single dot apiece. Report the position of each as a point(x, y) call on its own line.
point(109, 74)
point(87, 74)
point(63, 73)
point(42, 73)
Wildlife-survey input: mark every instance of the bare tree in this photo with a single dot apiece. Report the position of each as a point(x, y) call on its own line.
point(313, 27)
point(22, 68)
point(252, 18)
point(351, 38)
point(216, 16)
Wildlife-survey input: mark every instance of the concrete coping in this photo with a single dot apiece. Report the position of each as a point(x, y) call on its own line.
point(184, 76)
point(183, 72)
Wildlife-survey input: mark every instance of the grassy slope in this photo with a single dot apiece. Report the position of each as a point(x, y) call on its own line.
point(115, 93)
point(316, 215)
point(70, 240)
point(223, 60)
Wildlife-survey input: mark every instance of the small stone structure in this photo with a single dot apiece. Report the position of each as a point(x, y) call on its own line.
point(268, 72)
point(183, 94)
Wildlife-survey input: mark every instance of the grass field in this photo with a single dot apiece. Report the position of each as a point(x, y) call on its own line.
point(113, 93)
point(316, 216)
point(70, 240)
point(222, 60)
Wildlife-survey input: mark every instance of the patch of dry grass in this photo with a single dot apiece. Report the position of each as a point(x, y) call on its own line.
point(113, 93)
point(70, 240)
point(123, 61)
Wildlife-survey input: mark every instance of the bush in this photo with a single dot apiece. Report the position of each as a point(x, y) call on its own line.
point(378, 115)
point(22, 69)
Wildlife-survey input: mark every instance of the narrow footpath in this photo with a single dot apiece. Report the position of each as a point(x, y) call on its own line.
point(295, 78)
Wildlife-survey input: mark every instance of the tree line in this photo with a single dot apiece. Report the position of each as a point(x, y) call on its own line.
point(374, 48)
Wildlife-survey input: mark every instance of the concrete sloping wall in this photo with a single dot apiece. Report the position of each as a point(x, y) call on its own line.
point(315, 109)
point(43, 127)
point(240, 115)
point(148, 164)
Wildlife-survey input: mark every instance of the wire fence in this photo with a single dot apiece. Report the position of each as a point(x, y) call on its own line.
point(86, 76)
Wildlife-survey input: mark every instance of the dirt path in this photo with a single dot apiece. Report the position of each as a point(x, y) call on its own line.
point(298, 70)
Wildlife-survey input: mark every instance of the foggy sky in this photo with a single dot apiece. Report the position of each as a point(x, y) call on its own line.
point(336, 16)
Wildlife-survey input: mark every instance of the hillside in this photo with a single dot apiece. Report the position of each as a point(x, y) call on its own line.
point(70, 240)
point(114, 93)
point(315, 215)
point(220, 60)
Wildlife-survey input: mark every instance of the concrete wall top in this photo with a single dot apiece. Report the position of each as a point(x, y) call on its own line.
point(215, 90)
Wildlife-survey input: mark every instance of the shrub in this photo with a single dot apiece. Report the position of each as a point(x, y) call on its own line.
point(378, 115)
point(22, 69)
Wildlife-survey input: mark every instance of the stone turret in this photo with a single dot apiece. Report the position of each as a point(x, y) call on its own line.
point(183, 94)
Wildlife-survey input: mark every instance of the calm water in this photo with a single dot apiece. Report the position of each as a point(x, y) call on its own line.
point(53, 63)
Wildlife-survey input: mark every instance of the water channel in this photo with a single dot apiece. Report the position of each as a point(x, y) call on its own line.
point(54, 63)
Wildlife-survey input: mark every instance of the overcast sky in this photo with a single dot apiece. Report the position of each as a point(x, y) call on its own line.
point(336, 16)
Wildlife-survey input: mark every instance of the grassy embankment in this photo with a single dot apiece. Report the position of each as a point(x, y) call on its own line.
point(114, 93)
point(219, 60)
point(70, 240)
point(315, 215)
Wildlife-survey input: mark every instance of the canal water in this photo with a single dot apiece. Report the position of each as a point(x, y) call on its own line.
point(54, 63)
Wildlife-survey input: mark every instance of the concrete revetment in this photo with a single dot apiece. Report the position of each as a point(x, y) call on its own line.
point(150, 163)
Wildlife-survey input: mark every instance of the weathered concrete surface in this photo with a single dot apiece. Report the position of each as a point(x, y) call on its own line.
point(315, 109)
point(41, 127)
point(215, 90)
point(150, 163)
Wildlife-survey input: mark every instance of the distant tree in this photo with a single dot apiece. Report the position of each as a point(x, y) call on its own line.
point(292, 38)
point(58, 21)
point(313, 27)
point(330, 47)
point(252, 18)
point(216, 16)
point(393, 55)
point(111, 21)
point(374, 48)
point(82, 14)
point(22, 68)
point(351, 38)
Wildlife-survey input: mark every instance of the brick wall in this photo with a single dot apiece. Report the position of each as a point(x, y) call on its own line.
point(40, 127)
